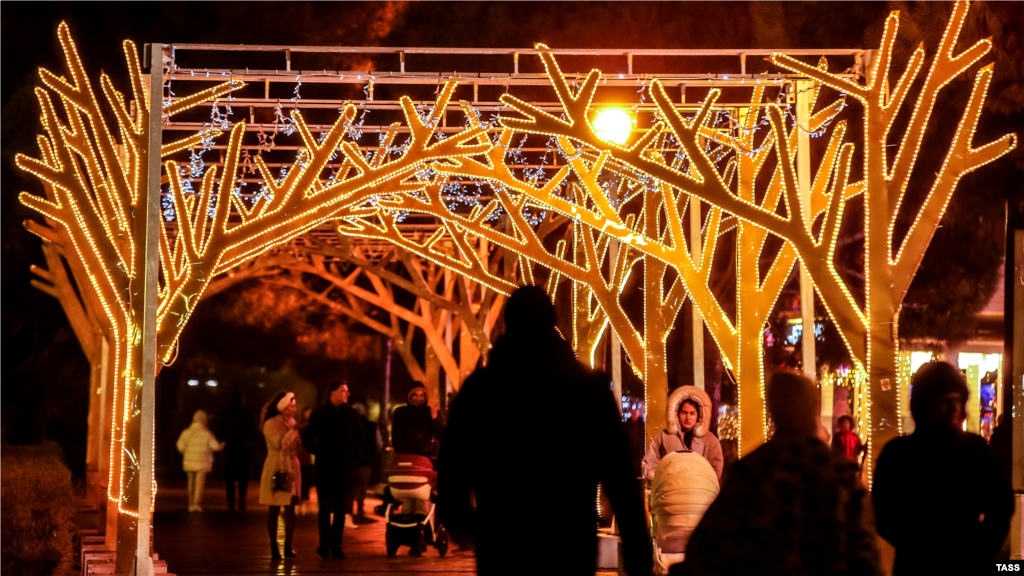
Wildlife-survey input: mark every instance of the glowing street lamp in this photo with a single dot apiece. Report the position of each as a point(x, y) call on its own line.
point(613, 125)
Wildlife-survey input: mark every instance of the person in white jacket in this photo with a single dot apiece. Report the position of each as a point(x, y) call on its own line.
point(198, 444)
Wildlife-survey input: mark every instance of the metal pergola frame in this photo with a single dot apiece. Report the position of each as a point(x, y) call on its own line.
point(159, 56)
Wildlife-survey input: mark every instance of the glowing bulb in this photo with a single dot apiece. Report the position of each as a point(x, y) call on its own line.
point(613, 125)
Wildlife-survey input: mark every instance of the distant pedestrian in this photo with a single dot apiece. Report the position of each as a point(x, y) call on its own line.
point(280, 484)
point(417, 425)
point(198, 444)
point(305, 458)
point(940, 495)
point(334, 437)
point(535, 478)
point(846, 441)
point(687, 430)
point(238, 429)
point(792, 506)
point(366, 459)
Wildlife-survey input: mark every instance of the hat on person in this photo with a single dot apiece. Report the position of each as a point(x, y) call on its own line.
point(415, 387)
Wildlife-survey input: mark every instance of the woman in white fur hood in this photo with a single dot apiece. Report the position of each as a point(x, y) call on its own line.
point(689, 415)
point(198, 444)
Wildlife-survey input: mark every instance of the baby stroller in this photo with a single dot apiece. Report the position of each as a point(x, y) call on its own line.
point(410, 506)
point(683, 486)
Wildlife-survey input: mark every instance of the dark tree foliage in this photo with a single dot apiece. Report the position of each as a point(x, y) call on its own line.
point(963, 265)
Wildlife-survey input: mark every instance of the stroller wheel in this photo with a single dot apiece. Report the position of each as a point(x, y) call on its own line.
point(390, 542)
point(441, 541)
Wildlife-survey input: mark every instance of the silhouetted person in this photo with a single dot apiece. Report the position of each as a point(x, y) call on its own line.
point(1001, 443)
point(636, 435)
point(416, 426)
point(792, 506)
point(940, 495)
point(305, 458)
point(535, 485)
point(334, 436)
point(238, 429)
point(845, 441)
point(366, 459)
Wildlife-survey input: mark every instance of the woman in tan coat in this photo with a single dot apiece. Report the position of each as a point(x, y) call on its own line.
point(282, 448)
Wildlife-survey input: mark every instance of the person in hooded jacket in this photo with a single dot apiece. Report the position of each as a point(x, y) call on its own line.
point(689, 415)
point(197, 444)
point(941, 498)
point(502, 480)
point(416, 426)
point(792, 506)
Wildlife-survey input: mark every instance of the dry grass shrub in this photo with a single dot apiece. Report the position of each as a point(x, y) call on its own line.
point(39, 503)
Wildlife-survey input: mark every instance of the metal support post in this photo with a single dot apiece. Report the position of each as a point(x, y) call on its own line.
point(803, 163)
point(143, 558)
point(616, 345)
point(697, 325)
point(1016, 412)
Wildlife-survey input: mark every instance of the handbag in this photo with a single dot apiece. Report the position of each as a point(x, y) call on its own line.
point(280, 481)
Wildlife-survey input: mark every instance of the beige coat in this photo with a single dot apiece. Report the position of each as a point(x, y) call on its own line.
point(672, 438)
point(282, 452)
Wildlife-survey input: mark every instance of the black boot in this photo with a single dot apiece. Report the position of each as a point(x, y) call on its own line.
point(275, 554)
point(288, 552)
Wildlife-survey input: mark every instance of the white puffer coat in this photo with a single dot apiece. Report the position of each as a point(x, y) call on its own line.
point(198, 444)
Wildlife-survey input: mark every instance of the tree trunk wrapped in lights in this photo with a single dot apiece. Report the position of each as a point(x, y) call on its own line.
point(95, 183)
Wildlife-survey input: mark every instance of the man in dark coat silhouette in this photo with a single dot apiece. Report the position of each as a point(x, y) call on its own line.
point(236, 427)
point(792, 506)
point(940, 494)
point(334, 436)
point(535, 509)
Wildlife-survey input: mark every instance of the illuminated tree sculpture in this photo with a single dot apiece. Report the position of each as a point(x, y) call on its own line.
point(583, 256)
point(95, 182)
point(92, 331)
point(439, 303)
point(889, 266)
point(869, 334)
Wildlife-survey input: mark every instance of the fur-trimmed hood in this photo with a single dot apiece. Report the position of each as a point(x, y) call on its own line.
point(703, 415)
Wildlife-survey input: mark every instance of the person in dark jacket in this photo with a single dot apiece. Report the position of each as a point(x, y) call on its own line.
point(367, 457)
point(792, 506)
point(334, 436)
point(636, 435)
point(521, 473)
point(237, 429)
point(416, 426)
point(941, 498)
point(305, 458)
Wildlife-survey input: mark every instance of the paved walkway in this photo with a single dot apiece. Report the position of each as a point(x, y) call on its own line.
point(217, 541)
point(220, 542)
